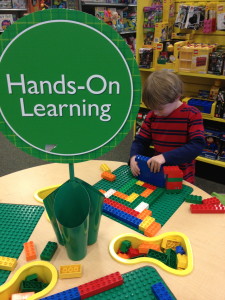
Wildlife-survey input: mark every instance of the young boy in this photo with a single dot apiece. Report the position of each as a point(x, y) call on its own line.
point(175, 129)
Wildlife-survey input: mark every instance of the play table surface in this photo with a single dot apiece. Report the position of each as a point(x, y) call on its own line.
point(206, 233)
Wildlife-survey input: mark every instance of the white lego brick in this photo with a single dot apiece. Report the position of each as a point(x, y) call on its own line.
point(142, 206)
point(109, 193)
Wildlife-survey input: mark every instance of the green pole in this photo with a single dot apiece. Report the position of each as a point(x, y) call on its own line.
point(71, 168)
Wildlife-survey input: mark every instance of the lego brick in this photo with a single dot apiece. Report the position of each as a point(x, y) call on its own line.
point(133, 221)
point(173, 172)
point(139, 182)
point(32, 277)
point(70, 271)
point(30, 252)
point(133, 252)
point(146, 223)
point(145, 213)
point(21, 296)
point(122, 207)
point(157, 255)
point(19, 222)
point(182, 261)
point(170, 242)
point(157, 179)
point(100, 285)
point(49, 251)
point(171, 258)
point(142, 206)
point(152, 229)
point(132, 197)
point(71, 294)
point(194, 199)
point(125, 246)
point(207, 208)
point(32, 286)
point(149, 186)
point(108, 176)
point(180, 249)
point(212, 200)
point(145, 247)
point(104, 167)
point(160, 291)
point(120, 195)
point(146, 193)
point(7, 263)
point(109, 193)
point(123, 255)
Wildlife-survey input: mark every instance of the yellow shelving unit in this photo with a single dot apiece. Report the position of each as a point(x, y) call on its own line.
point(193, 82)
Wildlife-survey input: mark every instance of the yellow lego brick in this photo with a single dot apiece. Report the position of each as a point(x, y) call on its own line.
point(7, 263)
point(182, 261)
point(146, 223)
point(70, 271)
point(104, 168)
point(139, 182)
point(132, 197)
point(171, 242)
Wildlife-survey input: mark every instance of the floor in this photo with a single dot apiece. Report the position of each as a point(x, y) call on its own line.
point(208, 177)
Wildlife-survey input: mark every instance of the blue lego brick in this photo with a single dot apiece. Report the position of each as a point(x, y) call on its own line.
point(119, 214)
point(160, 291)
point(71, 294)
point(157, 179)
point(180, 249)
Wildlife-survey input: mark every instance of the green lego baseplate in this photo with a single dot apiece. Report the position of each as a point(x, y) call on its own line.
point(163, 204)
point(137, 285)
point(17, 223)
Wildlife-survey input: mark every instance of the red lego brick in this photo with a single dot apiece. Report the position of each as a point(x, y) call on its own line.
point(174, 185)
point(212, 200)
point(30, 252)
point(100, 285)
point(122, 207)
point(173, 172)
point(133, 252)
point(149, 186)
point(207, 208)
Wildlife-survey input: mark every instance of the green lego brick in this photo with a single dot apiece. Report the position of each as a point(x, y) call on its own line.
point(31, 286)
point(49, 251)
point(137, 285)
point(162, 203)
point(174, 179)
point(125, 245)
point(171, 258)
point(18, 222)
point(32, 277)
point(158, 255)
point(194, 199)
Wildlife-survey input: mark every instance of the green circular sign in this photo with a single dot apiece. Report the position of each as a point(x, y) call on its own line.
point(69, 86)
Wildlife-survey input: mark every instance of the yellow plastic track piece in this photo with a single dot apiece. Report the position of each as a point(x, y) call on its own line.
point(41, 194)
point(46, 272)
point(137, 240)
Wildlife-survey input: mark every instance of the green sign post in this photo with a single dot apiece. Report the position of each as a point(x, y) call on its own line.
point(70, 91)
point(70, 86)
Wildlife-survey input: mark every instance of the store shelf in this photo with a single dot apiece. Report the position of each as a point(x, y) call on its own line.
point(147, 70)
point(127, 32)
point(13, 9)
point(202, 75)
point(211, 161)
point(88, 3)
point(214, 119)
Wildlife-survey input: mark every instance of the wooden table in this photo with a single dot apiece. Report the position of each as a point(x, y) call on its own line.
point(205, 231)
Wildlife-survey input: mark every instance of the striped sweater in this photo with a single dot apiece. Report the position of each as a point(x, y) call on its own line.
point(179, 137)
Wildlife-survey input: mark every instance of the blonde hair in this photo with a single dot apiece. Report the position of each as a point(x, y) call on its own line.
point(160, 88)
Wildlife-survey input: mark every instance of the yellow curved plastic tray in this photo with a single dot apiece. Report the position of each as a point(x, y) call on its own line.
point(46, 272)
point(136, 240)
point(41, 194)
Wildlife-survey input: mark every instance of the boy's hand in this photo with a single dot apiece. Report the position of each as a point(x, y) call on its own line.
point(134, 166)
point(155, 162)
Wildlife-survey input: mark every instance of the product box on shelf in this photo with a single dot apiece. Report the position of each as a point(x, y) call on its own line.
point(207, 107)
point(145, 57)
point(19, 4)
point(212, 145)
point(5, 21)
point(220, 16)
point(216, 63)
point(5, 4)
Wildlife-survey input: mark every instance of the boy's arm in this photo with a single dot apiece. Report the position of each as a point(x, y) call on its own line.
point(186, 153)
point(196, 142)
point(140, 145)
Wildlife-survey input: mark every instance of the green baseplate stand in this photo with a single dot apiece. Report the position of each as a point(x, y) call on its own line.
point(17, 223)
point(162, 203)
point(137, 285)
